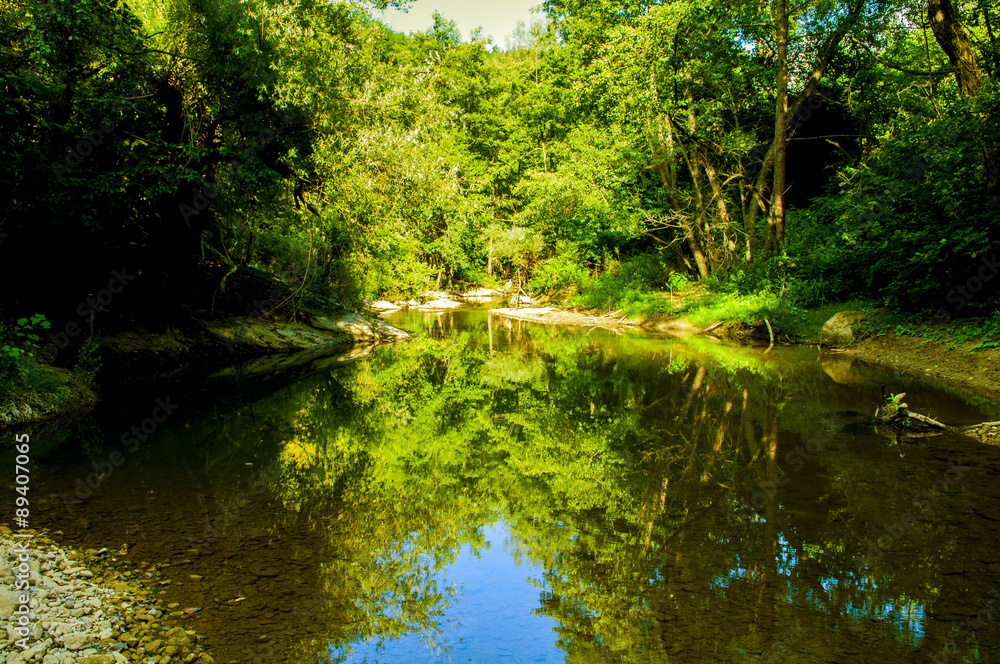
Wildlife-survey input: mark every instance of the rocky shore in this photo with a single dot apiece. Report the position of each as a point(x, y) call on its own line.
point(87, 608)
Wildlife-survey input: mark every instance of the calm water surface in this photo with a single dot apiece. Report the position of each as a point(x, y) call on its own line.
point(494, 491)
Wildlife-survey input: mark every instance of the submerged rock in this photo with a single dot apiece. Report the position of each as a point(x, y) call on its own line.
point(72, 618)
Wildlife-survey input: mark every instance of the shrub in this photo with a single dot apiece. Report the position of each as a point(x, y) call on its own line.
point(560, 271)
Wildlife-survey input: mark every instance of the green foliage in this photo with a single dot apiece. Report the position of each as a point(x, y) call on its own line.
point(88, 359)
point(18, 341)
point(561, 271)
point(678, 281)
point(310, 140)
point(917, 218)
point(632, 285)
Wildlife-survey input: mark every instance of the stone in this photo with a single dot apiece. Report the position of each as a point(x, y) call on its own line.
point(76, 641)
point(96, 659)
point(838, 331)
point(8, 603)
point(440, 304)
point(382, 305)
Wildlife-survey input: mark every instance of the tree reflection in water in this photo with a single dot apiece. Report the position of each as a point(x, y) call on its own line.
point(680, 502)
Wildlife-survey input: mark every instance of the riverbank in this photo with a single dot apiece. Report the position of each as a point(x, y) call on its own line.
point(952, 358)
point(960, 365)
point(51, 393)
point(89, 608)
point(56, 393)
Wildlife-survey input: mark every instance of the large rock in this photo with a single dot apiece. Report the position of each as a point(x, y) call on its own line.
point(358, 327)
point(838, 331)
point(439, 304)
point(382, 305)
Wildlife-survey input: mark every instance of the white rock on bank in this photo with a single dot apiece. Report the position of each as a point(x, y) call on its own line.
point(439, 304)
point(382, 305)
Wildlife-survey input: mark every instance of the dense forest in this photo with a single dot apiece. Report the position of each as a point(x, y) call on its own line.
point(814, 150)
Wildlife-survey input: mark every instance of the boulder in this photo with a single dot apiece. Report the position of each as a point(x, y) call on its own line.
point(480, 295)
point(838, 331)
point(382, 305)
point(440, 304)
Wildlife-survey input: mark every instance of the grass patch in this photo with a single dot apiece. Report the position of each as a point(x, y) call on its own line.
point(982, 333)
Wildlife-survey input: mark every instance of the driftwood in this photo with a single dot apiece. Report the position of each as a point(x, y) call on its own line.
point(895, 413)
point(711, 327)
point(987, 432)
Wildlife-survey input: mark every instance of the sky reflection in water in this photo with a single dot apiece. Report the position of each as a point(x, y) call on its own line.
point(492, 618)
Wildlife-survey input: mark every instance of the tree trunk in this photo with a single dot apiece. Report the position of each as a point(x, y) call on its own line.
point(776, 220)
point(755, 202)
point(951, 37)
point(694, 242)
point(720, 202)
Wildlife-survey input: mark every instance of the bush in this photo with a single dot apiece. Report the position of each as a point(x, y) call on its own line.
point(17, 345)
point(88, 359)
point(630, 286)
point(561, 271)
point(917, 218)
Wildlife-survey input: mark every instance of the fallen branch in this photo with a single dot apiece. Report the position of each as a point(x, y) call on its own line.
point(924, 419)
point(894, 411)
point(711, 327)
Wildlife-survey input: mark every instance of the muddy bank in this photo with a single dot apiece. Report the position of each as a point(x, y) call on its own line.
point(87, 607)
point(977, 371)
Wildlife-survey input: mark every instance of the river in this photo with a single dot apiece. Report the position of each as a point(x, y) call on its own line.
point(496, 491)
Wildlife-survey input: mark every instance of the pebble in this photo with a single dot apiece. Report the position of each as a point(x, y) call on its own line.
point(80, 616)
